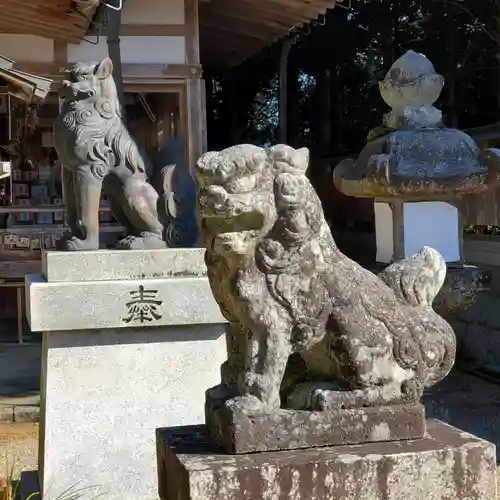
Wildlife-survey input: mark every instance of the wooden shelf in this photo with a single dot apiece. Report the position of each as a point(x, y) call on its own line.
point(48, 229)
point(41, 208)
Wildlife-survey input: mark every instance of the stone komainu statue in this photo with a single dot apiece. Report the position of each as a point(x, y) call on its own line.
point(285, 287)
point(98, 154)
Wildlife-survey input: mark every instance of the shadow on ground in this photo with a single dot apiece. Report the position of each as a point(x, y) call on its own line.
point(19, 367)
point(469, 403)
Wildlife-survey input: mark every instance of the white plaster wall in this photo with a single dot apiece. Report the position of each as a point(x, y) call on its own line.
point(153, 12)
point(384, 232)
point(433, 224)
point(27, 48)
point(134, 49)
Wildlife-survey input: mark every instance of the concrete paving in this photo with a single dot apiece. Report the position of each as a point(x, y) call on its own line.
point(469, 403)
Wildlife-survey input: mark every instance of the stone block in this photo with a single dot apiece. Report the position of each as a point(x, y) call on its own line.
point(106, 391)
point(104, 265)
point(477, 346)
point(6, 413)
point(57, 306)
point(236, 432)
point(446, 464)
point(495, 282)
point(483, 311)
point(26, 413)
point(132, 339)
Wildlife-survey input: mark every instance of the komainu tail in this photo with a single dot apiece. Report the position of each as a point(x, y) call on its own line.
point(417, 279)
point(177, 195)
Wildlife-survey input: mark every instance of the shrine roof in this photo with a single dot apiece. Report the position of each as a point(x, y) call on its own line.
point(234, 30)
point(58, 19)
point(25, 86)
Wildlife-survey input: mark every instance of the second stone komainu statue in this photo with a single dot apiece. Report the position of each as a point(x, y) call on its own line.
point(321, 350)
point(98, 154)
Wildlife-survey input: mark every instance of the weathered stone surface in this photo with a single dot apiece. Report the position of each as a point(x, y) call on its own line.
point(460, 289)
point(6, 413)
point(445, 465)
point(105, 392)
point(414, 156)
point(286, 289)
point(118, 304)
point(237, 432)
point(103, 265)
point(98, 154)
point(26, 413)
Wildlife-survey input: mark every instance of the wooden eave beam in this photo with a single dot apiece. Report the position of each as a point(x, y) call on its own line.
point(243, 44)
point(58, 12)
point(256, 15)
point(241, 23)
point(32, 17)
point(237, 44)
point(286, 11)
point(238, 28)
point(42, 28)
point(131, 71)
point(45, 19)
point(279, 27)
point(23, 29)
point(232, 31)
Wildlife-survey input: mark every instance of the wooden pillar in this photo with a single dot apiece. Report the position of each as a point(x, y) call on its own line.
point(196, 107)
point(113, 40)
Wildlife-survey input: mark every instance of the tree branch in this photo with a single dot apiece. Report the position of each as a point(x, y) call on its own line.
point(494, 37)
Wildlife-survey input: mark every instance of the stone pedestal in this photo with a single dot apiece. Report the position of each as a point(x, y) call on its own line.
point(447, 464)
point(132, 339)
point(236, 432)
point(403, 229)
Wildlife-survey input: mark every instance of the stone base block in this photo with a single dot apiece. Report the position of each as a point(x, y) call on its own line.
point(460, 289)
point(236, 432)
point(446, 464)
point(105, 392)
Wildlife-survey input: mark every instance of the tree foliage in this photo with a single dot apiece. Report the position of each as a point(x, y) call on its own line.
point(335, 65)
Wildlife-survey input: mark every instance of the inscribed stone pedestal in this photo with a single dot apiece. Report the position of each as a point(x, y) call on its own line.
point(120, 358)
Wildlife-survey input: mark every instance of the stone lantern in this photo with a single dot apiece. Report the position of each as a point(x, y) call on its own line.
point(417, 170)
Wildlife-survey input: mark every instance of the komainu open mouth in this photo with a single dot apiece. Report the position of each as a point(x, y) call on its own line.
point(227, 223)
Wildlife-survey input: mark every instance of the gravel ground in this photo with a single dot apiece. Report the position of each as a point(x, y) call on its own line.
point(18, 447)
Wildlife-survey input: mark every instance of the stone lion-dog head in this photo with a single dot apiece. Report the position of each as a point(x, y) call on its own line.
point(91, 82)
point(90, 128)
point(244, 189)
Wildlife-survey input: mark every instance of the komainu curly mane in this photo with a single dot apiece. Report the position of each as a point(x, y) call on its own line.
point(100, 124)
point(286, 288)
point(100, 156)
